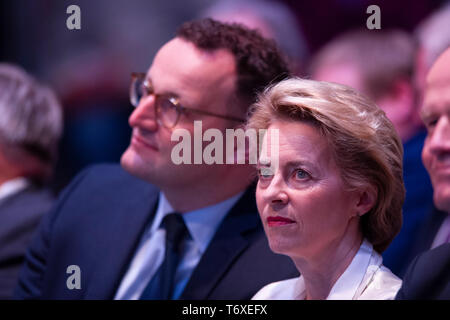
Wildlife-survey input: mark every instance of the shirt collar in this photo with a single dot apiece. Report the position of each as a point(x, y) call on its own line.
point(201, 223)
point(348, 283)
point(13, 186)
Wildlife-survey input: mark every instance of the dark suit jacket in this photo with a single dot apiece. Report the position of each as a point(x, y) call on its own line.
point(20, 215)
point(416, 209)
point(98, 222)
point(428, 277)
point(424, 236)
point(428, 231)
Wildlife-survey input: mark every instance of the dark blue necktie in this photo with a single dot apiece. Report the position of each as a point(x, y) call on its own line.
point(161, 286)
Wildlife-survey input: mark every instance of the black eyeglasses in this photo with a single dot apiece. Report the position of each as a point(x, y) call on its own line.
point(167, 108)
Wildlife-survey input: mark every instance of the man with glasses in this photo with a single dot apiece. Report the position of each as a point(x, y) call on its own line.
point(159, 230)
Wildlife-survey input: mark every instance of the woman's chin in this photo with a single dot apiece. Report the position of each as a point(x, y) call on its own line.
point(281, 246)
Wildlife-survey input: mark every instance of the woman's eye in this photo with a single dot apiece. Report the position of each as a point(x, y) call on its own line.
point(301, 174)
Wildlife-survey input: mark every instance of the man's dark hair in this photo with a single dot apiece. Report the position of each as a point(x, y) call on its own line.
point(259, 62)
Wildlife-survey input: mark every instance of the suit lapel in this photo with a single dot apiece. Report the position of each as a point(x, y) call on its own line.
point(432, 228)
point(226, 245)
point(127, 222)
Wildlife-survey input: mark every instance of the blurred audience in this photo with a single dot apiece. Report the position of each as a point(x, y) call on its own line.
point(380, 65)
point(325, 19)
point(30, 128)
point(428, 277)
point(433, 38)
point(274, 19)
point(96, 109)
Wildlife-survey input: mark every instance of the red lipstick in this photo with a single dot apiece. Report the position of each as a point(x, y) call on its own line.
point(278, 221)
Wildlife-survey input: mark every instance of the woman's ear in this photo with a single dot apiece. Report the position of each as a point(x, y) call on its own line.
point(367, 199)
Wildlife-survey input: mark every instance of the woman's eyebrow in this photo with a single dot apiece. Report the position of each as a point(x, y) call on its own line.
point(263, 164)
point(292, 163)
point(297, 163)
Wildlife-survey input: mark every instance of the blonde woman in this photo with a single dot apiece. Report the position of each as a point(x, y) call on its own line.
point(334, 202)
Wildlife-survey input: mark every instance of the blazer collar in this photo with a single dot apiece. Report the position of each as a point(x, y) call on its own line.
point(115, 254)
point(126, 223)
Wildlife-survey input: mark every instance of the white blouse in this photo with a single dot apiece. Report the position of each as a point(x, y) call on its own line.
point(364, 279)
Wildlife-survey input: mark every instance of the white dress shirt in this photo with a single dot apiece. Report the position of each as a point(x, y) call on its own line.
point(202, 225)
point(364, 279)
point(12, 187)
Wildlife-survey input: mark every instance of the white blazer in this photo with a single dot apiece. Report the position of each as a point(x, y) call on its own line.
point(364, 279)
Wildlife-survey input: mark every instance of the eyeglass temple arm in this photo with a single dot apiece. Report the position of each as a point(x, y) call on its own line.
point(215, 115)
point(138, 74)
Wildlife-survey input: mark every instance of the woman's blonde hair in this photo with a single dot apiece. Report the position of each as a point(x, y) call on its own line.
point(364, 143)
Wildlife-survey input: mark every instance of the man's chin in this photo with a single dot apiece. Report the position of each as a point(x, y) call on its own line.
point(134, 164)
point(124, 162)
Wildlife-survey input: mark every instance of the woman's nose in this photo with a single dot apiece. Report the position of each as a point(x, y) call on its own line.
point(275, 192)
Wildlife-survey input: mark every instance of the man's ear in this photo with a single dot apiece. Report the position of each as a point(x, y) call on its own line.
point(366, 201)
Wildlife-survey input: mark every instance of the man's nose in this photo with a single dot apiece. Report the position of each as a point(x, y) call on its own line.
point(144, 115)
point(439, 139)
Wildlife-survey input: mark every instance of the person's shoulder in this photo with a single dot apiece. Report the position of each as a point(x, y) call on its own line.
point(384, 285)
point(100, 190)
point(385, 275)
point(428, 276)
point(432, 264)
point(21, 214)
point(379, 282)
point(280, 290)
point(440, 255)
point(110, 177)
point(109, 172)
point(33, 196)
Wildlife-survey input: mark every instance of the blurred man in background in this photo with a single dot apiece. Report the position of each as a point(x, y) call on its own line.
point(433, 39)
point(428, 277)
point(30, 128)
point(380, 65)
point(274, 19)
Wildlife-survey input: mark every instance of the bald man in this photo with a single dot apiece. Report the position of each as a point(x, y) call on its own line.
point(428, 277)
